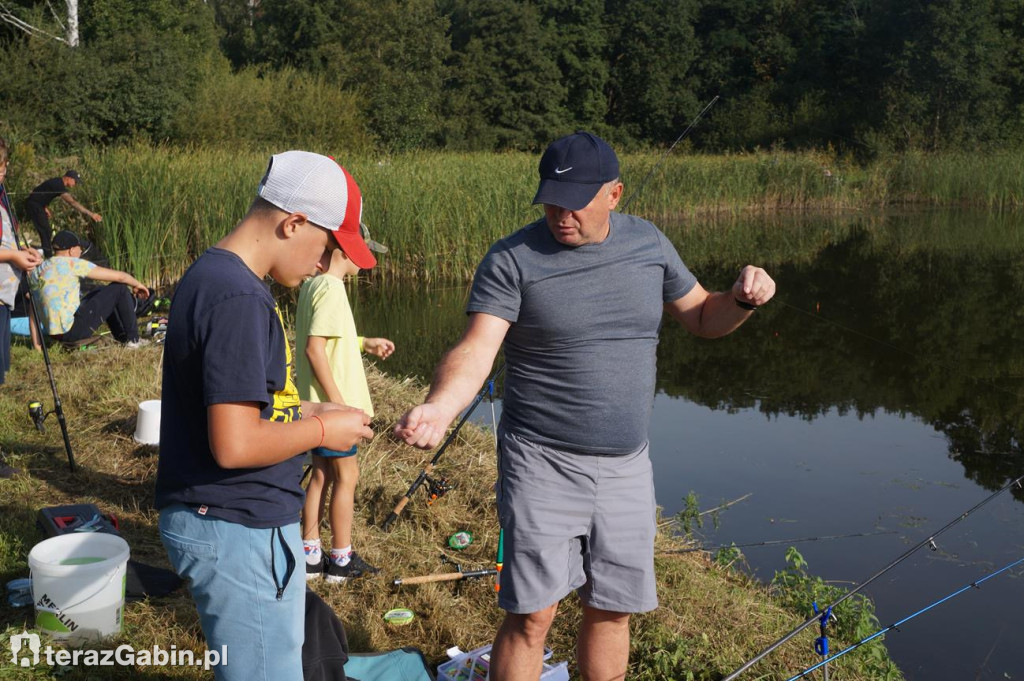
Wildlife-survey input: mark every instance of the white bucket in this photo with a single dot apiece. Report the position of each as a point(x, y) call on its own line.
point(78, 583)
point(147, 426)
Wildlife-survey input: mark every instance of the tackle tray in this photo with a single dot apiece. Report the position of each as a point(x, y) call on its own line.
point(475, 666)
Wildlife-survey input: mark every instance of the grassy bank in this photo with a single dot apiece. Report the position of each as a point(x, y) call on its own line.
point(711, 619)
point(440, 211)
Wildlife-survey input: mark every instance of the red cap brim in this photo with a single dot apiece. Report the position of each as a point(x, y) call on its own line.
point(356, 249)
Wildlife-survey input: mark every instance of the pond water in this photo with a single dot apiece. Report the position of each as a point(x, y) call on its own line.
point(881, 393)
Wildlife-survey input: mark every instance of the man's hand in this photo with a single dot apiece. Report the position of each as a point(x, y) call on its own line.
point(380, 347)
point(753, 286)
point(423, 426)
point(344, 427)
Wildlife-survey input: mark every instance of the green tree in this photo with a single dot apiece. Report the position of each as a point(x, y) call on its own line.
point(399, 72)
point(581, 40)
point(133, 70)
point(943, 88)
point(507, 90)
point(653, 49)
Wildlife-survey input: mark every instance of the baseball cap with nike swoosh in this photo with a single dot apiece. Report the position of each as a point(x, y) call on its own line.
point(573, 169)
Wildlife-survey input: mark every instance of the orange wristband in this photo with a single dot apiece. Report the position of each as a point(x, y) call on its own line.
point(322, 431)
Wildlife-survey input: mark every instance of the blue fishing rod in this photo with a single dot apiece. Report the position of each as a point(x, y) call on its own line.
point(930, 541)
point(36, 409)
point(896, 625)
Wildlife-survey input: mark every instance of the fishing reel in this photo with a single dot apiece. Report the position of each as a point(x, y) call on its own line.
point(437, 488)
point(38, 416)
point(156, 326)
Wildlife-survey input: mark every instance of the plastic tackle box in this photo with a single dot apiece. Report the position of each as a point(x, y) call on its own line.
point(475, 665)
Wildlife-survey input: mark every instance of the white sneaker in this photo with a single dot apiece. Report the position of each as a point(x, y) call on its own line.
point(132, 345)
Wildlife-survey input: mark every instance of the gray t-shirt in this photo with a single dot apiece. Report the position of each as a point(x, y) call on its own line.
point(580, 352)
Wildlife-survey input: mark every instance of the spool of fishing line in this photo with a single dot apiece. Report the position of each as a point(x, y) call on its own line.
point(398, 617)
point(460, 540)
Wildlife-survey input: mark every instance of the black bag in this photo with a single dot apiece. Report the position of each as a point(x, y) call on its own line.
point(325, 650)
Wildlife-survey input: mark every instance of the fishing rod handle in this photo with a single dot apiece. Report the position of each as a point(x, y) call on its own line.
point(393, 516)
point(446, 577)
point(424, 579)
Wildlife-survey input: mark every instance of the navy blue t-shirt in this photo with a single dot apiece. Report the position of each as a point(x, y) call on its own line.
point(225, 343)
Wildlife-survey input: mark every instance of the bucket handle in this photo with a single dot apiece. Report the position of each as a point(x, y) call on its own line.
point(75, 605)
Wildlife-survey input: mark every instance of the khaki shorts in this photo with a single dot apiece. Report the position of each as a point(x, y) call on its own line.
point(575, 522)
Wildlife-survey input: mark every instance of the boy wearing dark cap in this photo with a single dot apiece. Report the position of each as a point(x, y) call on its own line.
point(577, 298)
point(232, 428)
point(69, 317)
point(37, 205)
point(330, 369)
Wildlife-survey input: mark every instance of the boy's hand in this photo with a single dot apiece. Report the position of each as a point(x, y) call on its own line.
point(381, 347)
point(344, 427)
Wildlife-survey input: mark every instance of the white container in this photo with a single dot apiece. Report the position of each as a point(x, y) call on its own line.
point(78, 583)
point(147, 426)
point(475, 666)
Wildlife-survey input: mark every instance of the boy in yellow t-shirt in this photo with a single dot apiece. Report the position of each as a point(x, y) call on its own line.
point(330, 369)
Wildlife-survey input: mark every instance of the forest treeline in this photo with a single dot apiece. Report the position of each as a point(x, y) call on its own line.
point(864, 76)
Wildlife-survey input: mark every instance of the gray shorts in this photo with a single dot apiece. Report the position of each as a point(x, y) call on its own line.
point(575, 521)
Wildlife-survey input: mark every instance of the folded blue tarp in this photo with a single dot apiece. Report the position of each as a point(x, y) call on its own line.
point(403, 664)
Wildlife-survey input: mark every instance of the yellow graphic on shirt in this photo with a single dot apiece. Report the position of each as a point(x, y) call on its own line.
point(286, 400)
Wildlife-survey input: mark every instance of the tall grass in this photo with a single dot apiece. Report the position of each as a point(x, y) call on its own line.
point(439, 211)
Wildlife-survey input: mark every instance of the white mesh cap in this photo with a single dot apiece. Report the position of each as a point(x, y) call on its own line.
point(304, 182)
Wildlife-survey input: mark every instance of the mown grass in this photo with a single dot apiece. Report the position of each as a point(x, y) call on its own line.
point(440, 211)
point(710, 620)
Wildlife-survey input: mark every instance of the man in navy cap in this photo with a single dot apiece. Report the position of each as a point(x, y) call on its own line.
point(577, 297)
point(37, 205)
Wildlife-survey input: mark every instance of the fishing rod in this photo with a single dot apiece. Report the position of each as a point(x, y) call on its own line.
point(679, 139)
point(773, 542)
point(439, 486)
point(35, 408)
point(896, 625)
point(930, 541)
point(445, 576)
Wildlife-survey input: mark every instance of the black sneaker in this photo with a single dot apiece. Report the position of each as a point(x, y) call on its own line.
point(315, 571)
point(355, 567)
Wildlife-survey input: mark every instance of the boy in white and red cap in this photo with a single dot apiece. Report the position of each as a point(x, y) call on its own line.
point(232, 429)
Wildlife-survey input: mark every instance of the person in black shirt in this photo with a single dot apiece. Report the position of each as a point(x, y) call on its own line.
point(38, 202)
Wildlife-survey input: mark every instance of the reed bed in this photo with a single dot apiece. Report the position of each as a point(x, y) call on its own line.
point(440, 211)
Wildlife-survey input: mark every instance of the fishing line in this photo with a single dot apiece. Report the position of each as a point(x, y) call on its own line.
point(772, 542)
point(683, 134)
point(930, 541)
point(896, 625)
